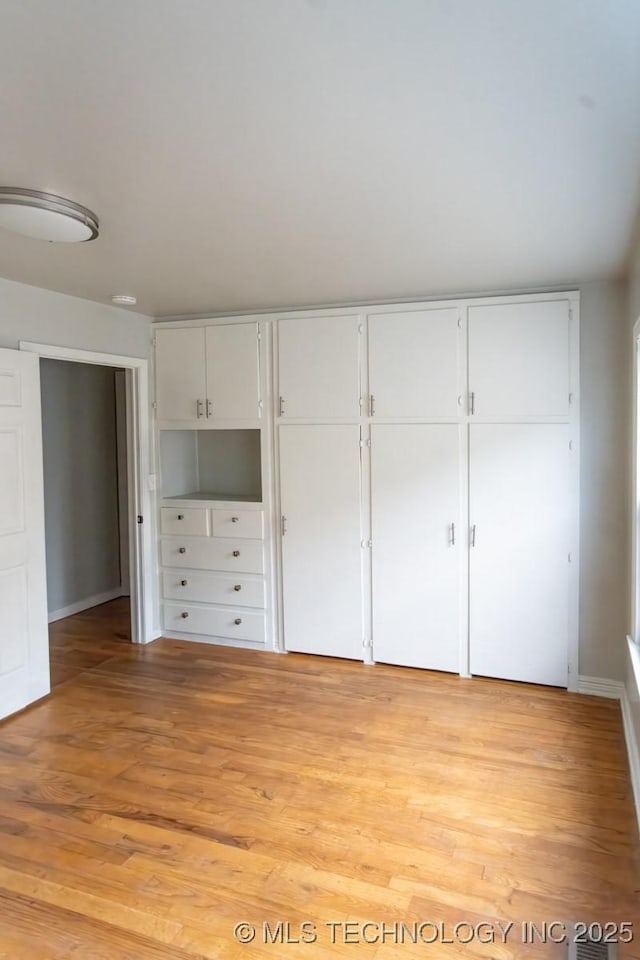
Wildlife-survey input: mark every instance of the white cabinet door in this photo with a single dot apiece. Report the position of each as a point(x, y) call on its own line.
point(413, 363)
point(415, 486)
point(233, 379)
point(321, 549)
point(180, 375)
point(519, 571)
point(24, 639)
point(519, 359)
point(319, 367)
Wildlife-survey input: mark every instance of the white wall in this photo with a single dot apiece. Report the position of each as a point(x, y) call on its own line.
point(605, 413)
point(80, 482)
point(29, 313)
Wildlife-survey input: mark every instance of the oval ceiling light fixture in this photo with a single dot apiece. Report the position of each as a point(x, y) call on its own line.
point(45, 216)
point(123, 300)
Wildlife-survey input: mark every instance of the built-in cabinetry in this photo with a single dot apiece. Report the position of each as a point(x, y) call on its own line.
point(406, 477)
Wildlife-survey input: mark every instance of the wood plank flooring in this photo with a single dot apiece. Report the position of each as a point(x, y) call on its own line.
point(163, 794)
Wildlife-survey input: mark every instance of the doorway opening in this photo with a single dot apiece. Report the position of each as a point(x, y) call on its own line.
point(99, 518)
point(87, 517)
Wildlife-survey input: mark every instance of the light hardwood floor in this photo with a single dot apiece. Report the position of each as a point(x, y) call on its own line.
point(163, 794)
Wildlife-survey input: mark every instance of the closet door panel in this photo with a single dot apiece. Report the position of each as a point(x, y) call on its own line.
point(519, 571)
point(519, 359)
point(321, 551)
point(415, 555)
point(233, 380)
point(413, 363)
point(319, 367)
point(180, 374)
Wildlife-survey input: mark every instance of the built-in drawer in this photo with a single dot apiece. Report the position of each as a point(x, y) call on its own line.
point(243, 556)
point(203, 587)
point(186, 521)
point(215, 622)
point(238, 523)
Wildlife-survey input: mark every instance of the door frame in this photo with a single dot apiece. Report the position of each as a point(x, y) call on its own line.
point(141, 549)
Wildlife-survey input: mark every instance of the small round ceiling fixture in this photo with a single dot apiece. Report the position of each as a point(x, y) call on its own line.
point(123, 300)
point(45, 216)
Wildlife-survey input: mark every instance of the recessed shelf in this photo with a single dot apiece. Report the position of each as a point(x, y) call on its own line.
point(211, 465)
point(226, 497)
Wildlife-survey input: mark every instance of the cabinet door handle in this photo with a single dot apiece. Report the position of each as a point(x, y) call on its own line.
point(238, 621)
point(236, 553)
point(235, 519)
point(184, 615)
point(452, 534)
point(472, 403)
point(182, 549)
point(281, 407)
point(209, 408)
point(372, 405)
point(283, 525)
point(473, 535)
point(181, 516)
point(183, 583)
point(237, 587)
point(199, 408)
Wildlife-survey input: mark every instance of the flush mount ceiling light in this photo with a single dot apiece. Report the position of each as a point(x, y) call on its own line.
point(45, 216)
point(123, 300)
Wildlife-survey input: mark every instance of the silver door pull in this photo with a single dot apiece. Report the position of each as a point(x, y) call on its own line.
point(181, 516)
point(372, 405)
point(184, 615)
point(200, 408)
point(238, 621)
point(182, 549)
point(452, 534)
point(283, 525)
point(235, 519)
point(209, 408)
point(473, 535)
point(236, 553)
point(183, 583)
point(281, 407)
point(472, 403)
point(237, 587)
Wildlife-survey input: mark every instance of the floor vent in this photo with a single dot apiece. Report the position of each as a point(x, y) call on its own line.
point(592, 950)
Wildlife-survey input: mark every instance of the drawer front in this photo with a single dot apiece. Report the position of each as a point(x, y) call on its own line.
point(213, 588)
point(185, 521)
point(215, 622)
point(238, 523)
point(242, 556)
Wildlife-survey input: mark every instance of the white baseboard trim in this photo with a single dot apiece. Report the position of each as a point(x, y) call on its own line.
point(601, 687)
point(86, 604)
point(632, 749)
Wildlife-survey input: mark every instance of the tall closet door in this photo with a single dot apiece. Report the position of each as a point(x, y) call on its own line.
point(519, 359)
point(180, 374)
point(415, 488)
point(519, 570)
point(319, 367)
point(413, 363)
point(321, 545)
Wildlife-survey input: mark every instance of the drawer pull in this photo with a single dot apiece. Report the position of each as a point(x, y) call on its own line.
point(182, 549)
point(235, 519)
point(236, 553)
point(183, 583)
point(237, 587)
point(184, 615)
point(238, 621)
point(181, 516)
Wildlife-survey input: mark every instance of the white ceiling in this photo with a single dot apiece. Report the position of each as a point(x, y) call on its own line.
point(259, 153)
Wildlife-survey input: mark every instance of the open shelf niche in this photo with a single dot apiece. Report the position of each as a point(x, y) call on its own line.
point(211, 465)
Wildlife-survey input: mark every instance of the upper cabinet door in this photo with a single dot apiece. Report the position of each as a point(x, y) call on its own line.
point(519, 359)
point(319, 367)
point(180, 374)
point(233, 372)
point(414, 363)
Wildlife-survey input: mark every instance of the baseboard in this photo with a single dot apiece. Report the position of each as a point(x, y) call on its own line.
point(601, 687)
point(86, 604)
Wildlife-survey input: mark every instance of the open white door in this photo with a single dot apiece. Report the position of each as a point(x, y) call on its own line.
point(24, 639)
